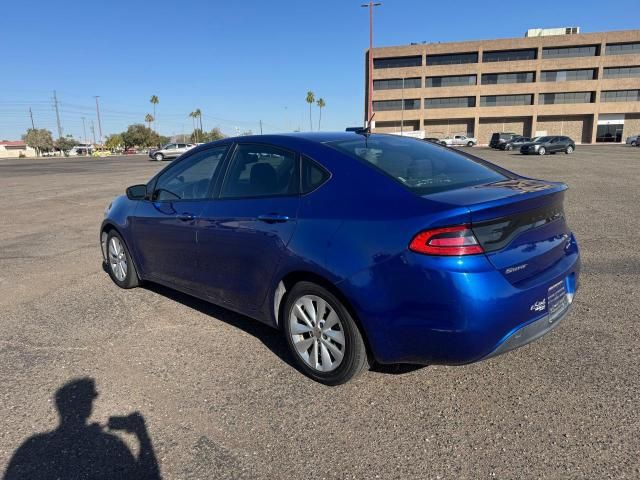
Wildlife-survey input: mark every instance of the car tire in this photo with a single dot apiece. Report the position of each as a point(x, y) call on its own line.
point(119, 263)
point(508, 148)
point(469, 144)
point(542, 151)
point(569, 150)
point(159, 157)
point(634, 143)
point(330, 350)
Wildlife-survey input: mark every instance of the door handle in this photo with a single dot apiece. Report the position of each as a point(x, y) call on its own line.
point(273, 218)
point(186, 217)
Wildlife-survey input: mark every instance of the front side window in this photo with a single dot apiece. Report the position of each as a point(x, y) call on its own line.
point(261, 171)
point(189, 179)
point(421, 167)
point(171, 146)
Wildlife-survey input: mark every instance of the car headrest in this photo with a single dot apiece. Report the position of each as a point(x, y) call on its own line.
point(263, 178)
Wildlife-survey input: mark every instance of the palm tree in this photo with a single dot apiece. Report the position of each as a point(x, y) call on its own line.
point(193, 116)
point(149, 118)
point(321, 105)
point(311, 98)
point(154, 101)
point(198, 113)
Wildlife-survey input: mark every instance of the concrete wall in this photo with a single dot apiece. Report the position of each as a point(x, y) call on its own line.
point(442, 128)
point(15, 152)
point(631, 125)
point(488, 126)
point(577, 127)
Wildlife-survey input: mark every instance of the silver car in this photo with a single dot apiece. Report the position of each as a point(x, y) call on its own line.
point(170, 150)
point(633, 140)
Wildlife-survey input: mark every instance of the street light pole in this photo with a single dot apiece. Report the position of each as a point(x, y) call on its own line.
point(402, 111)
point(370, 5)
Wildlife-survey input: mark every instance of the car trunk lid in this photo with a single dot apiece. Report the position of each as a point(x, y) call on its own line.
point(518, 222)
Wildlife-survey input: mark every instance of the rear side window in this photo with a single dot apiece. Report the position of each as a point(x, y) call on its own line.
point(313, 175)
point(261, 171)
point(421, 167)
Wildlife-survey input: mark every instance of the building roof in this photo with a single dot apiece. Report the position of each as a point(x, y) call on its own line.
point(13, 143)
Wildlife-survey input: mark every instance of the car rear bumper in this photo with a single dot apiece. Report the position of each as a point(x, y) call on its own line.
point(456, 310)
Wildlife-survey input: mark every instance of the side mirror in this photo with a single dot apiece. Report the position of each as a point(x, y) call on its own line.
point(137, 192)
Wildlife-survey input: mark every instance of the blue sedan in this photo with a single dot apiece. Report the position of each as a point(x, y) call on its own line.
point(359, 247)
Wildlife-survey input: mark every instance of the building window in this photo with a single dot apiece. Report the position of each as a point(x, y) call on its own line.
point(451, 81)
point(620, 96)
point(569, 97)
point(505, 100)
point(397, 62)
point(508, 55)
point(622, 72)
point(388, 105)
point(565, 52)
point(450, 102)
point(622, 48)
point(500, 78)
point(396, 83)
point(567, 75)
point(452, 59)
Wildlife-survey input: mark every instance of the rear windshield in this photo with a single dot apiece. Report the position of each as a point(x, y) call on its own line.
point(422, 167)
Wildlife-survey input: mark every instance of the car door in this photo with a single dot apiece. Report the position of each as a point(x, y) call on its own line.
point(555, 145)
point(244, 233)
point(165, 225)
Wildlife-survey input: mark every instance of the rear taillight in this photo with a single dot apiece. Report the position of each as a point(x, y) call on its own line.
point(449, 241)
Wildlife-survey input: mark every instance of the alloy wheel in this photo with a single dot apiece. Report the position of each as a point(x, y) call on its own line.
point(317, 333)
point(117, 259)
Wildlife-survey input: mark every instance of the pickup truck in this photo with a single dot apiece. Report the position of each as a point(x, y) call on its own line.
point(459, 140)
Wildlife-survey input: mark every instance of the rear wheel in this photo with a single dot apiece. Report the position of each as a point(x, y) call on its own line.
point(633, 144)
point(569, 149)
point(159, 157)
point(119, 263)
point(323, 338)
point(542, 151)
point(508, 147)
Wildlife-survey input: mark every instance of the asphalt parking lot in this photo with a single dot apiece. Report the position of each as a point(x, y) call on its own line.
point(217, 391)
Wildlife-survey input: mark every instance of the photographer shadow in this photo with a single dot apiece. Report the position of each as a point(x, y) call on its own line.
point(78, 450)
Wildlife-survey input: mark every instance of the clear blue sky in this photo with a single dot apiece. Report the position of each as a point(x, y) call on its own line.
point(238, 61)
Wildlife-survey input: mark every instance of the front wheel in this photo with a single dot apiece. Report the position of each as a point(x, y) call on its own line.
point(542, 151)
point(323, 338)
point(469, 144)
point(569, 150)
point(633, 144)
point(508, 148)
point(119, 263)
point(159, 157)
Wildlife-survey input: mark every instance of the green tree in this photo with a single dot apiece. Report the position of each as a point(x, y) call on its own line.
point(198, 114)
point(65, 143)
point(40, 139)
point(148, 118)
point(311, 98)
point(138, 135)
point(154, 101)
point(321, 105)
point(215, 134)
point(114, 141)
point(193, 115)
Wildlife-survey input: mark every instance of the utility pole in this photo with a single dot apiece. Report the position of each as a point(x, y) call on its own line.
point(33, 126)
point(93, 132)
point(99, 122)
point(370, 5)
point(260, 127)
point(84, 129)
point(55, 105)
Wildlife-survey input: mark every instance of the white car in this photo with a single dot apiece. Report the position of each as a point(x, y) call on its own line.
point(459, 140)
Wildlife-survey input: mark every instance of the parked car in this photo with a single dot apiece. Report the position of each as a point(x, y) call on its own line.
point(431, 139)
point(514, 143)
point(130, 151)
point(81, 149)
point(459, 140)
point(499, 138)
point(549, 144)
point(356, 246)
point(170, 150)
point(633, 140)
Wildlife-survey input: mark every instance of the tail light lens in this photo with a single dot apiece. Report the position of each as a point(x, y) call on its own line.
point(448, 241)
